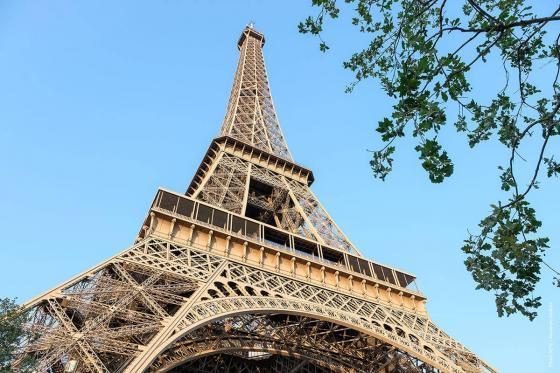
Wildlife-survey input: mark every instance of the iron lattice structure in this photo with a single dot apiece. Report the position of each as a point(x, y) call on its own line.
point(246, 272)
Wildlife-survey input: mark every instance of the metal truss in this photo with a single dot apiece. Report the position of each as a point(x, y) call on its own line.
point(251, 118)
point(250, 115)
point(226, 185)
point(159, 305)
point(105, 316)
point(315, 343)
point(384, 317)
point(197, 294)
point(291, 204)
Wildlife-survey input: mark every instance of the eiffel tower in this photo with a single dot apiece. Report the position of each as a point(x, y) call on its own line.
point(245, 272)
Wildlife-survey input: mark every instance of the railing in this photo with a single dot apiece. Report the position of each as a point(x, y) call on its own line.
point(271, 236)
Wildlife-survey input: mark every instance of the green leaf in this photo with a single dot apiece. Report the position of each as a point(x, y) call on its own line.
point(435, 161)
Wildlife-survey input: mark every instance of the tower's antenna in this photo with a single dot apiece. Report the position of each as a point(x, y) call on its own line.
point(251, 25)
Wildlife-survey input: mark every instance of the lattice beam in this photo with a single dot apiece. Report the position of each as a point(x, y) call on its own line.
point(250, 115)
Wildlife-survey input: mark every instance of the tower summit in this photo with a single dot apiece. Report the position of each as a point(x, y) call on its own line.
point(250, 115)
point(246, 271)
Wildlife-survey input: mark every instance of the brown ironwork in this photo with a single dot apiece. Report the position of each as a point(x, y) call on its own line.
point(246, 272)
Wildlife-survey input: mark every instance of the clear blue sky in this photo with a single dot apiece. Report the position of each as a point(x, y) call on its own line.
point(101, 102)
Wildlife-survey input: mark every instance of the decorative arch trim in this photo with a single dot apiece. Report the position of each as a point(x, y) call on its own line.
point(211, 310)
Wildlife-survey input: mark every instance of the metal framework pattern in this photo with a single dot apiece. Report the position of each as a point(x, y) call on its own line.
point(204, 295)
point(319, 344)
point(251, 116)
point(226, 185)
point(288, 204)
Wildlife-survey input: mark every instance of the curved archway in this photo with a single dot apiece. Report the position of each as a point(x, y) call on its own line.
point(206, 312)
point(332, 347)
point(245, 351)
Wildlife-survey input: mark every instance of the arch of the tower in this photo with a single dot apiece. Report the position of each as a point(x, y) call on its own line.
point(274, 325)
point(270, 341)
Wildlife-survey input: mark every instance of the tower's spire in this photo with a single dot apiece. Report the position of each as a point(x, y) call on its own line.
point(250, 115)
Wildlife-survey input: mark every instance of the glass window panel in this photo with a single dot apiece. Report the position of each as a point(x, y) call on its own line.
point(364, 267)
point(220, 218)
point(276, 237)
point(389, 275)
point(185, 207)
point(402, 279)
point(333, 255)
point(378, 272)
point(353, 261)
point(168, 201)
point(238, 225)
point(306, 247)
point(252, 229)
point(204, 213)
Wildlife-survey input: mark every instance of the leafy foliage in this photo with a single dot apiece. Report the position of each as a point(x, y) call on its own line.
point(12, 319)
point(423, 54)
